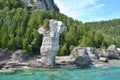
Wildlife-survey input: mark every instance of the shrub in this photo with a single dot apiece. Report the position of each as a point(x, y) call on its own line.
point(46, 24)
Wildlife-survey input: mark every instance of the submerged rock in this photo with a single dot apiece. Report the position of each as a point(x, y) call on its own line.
point(50, 42)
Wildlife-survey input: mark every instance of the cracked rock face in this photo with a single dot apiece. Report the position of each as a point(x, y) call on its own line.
point(42, 4)
point(50, 42)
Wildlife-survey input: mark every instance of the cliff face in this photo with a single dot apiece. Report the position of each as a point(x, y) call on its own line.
point(42, 4)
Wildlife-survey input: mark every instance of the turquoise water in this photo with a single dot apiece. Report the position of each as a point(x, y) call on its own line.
point(109, 73)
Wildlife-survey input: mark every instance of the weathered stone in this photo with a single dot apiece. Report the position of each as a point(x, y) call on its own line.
point(5, 54)
point(19, 55)
point(113, 55)
point(91, 52)
point(50, 42)
point(42, 4)
point(78, 52)
point(81, 57)
point(112, 48)
point(113, 52)
point(83, 61)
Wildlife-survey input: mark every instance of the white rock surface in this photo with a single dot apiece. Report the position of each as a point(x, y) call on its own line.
point(50, 42)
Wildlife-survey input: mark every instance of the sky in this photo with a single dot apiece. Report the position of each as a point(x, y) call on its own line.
point(90, 10)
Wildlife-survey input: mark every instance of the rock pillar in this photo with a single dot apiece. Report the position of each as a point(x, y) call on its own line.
point(50, 42)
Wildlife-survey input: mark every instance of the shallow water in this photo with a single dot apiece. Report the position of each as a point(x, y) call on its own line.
point(66, 73)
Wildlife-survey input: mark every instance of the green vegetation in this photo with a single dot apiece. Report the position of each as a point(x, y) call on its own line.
point(19, 25)
point(46, 24)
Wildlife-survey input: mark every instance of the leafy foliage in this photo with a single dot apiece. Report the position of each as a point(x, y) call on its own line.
point(46, 24)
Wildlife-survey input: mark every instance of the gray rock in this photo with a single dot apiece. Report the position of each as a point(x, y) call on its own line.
point(83, 61)
point(19, 55)
point(2, 53)
point(78, 52)
point(42, 4)
point(50, 42)
point(113, 52)
point(5, 54)
point(81, 57)
point(91, 52)
point(112, 48)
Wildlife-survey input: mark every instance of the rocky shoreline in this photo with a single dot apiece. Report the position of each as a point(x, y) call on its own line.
point(82, 57)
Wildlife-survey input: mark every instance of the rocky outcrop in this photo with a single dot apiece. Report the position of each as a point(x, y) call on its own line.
point(50, 42)
point(42, 4)
point(4, 54)
point(19, 55)
point(92, 52)
point(82, 56)
point(112, 52)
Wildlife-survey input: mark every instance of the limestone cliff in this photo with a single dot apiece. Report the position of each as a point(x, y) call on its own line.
point(42, 4)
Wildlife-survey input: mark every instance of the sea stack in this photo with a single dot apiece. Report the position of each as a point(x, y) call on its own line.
point(50, 42)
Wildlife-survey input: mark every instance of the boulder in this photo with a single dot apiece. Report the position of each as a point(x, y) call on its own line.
point(50, 42)
point(91, 52)
point(81, 57)
point(112, 48)
point(19, 55)
point(83, 61)
point(113, 52)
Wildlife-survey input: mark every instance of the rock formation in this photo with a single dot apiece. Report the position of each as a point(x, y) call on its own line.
point(91, 52)
point(81, 57)
point(83, 61)
point(19, 55)
point(4, 54)
point(112, 52)
point(50, 42)
point(42, 4)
